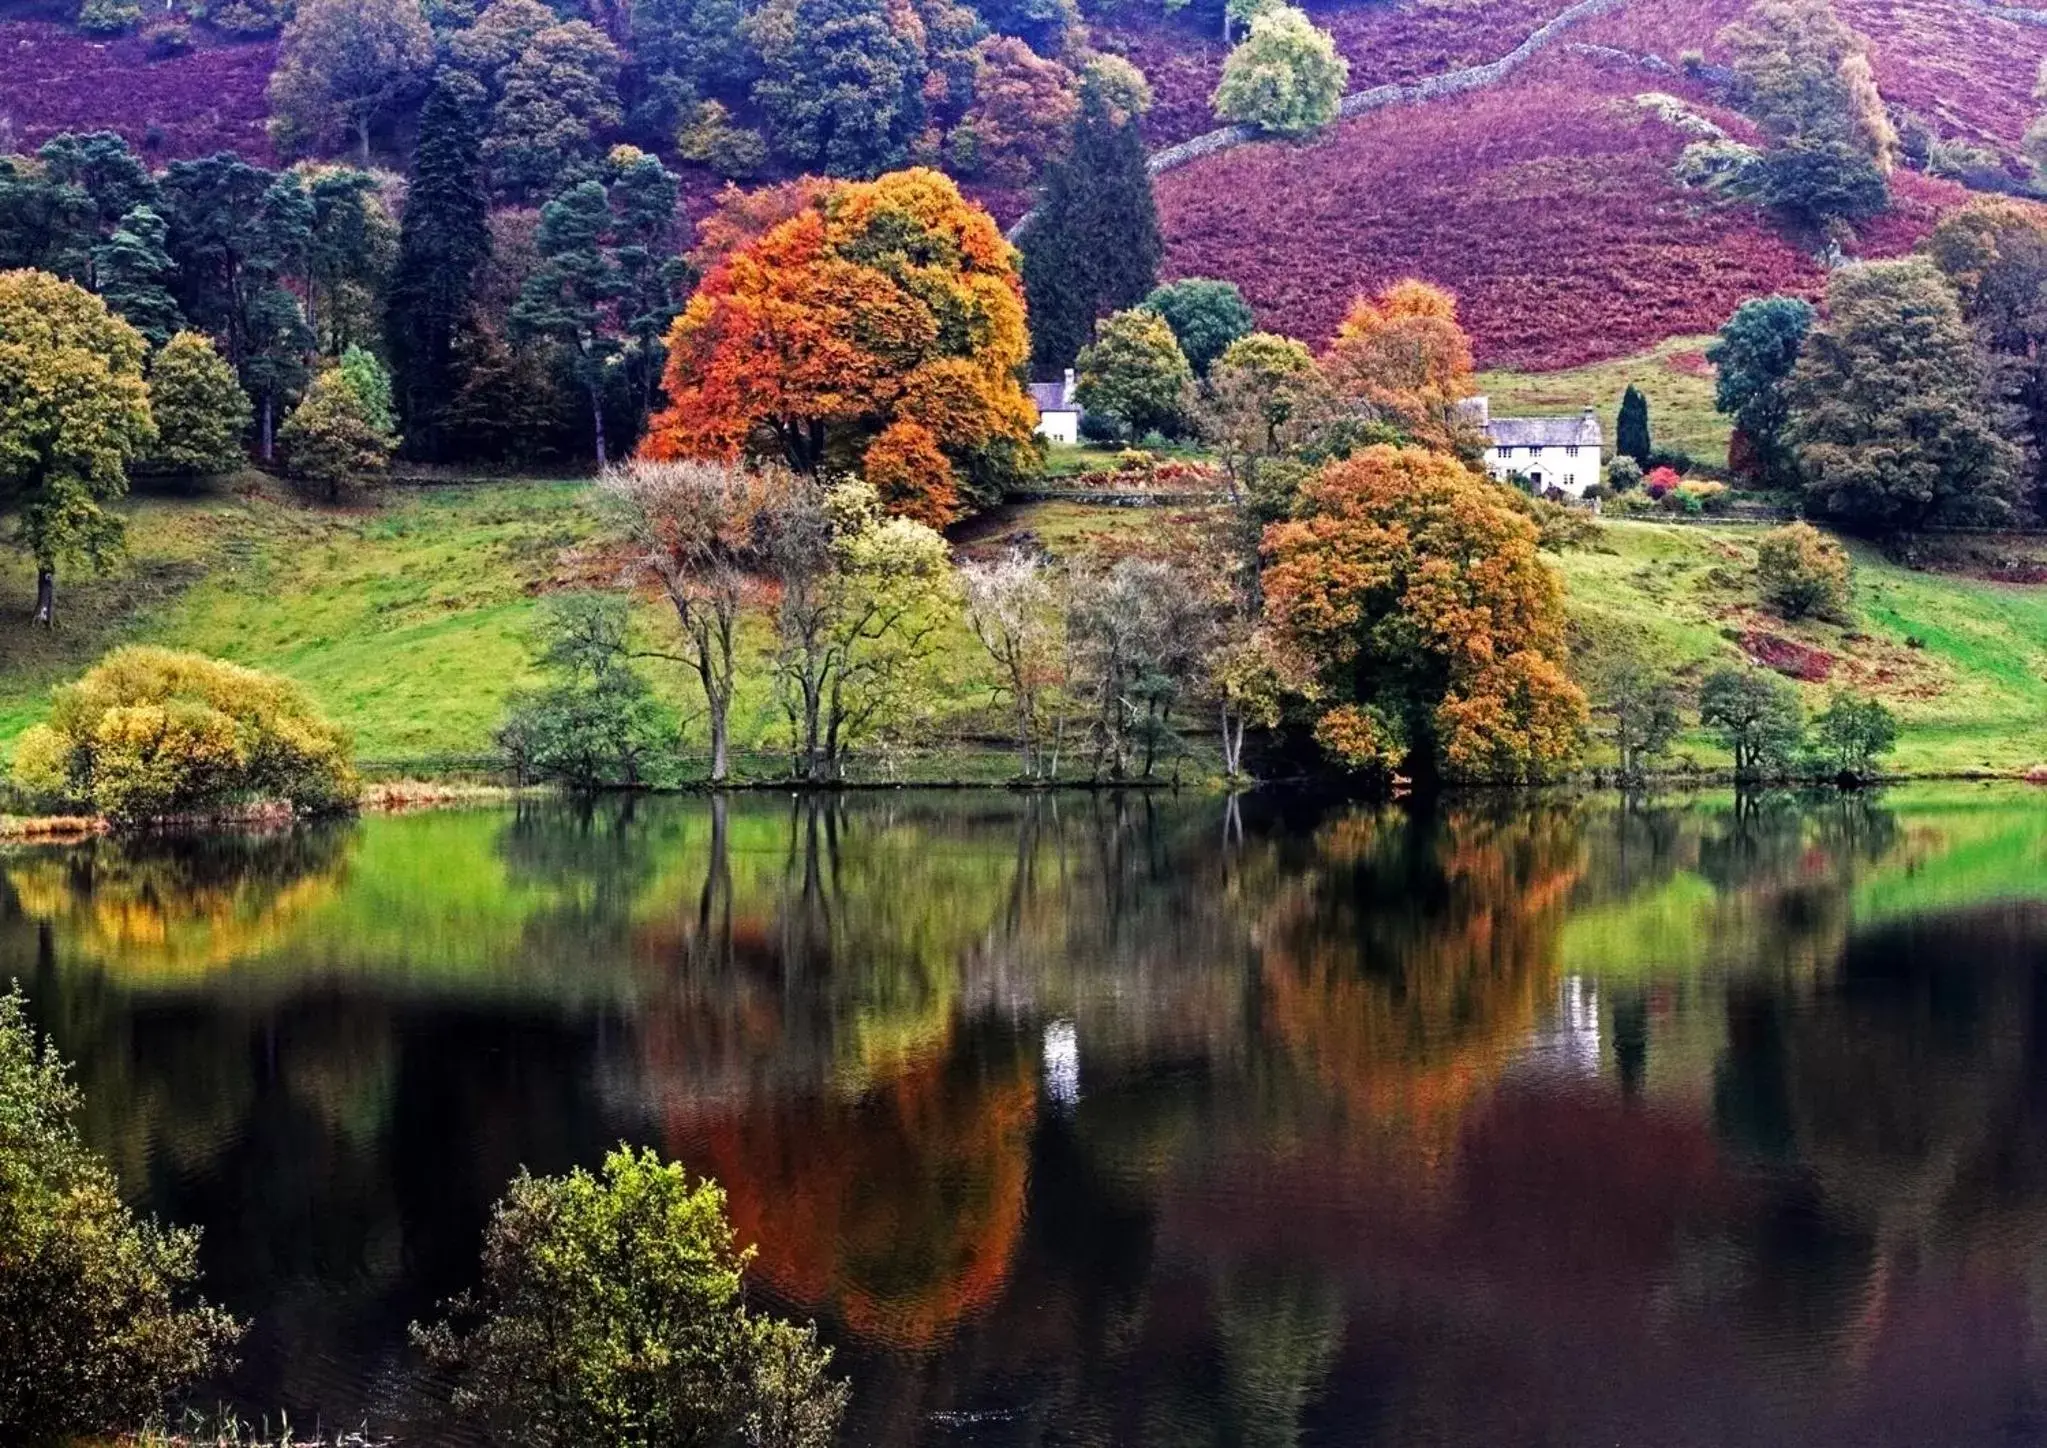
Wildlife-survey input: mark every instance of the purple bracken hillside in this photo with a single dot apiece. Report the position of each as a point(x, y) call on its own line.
point(54, 79)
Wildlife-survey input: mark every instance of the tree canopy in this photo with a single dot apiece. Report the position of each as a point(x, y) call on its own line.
point(1753, 357)
point(1402, 356)
point(880, 329)
point(345, 66)
point(1286, 78)
point(1413, 587)
point(1890, 423)
point(1206, 316)
point(1134, 374)
point(74, 412)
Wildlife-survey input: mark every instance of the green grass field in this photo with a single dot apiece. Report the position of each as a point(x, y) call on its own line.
point(1963, 661)
point(412, 620)
point(1674, 376)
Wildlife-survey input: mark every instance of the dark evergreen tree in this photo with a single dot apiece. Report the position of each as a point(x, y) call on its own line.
point(570, 297)
point(237, 232)
point(842, 83)
point(348, 254)
point(134, 272)
point(442, 243)
point(685, 51)
point(1092, 246)
point(1631, 435)
point(606, 285)
point(101, 181)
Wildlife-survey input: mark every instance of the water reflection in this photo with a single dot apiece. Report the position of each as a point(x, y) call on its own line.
point(1132, 1120)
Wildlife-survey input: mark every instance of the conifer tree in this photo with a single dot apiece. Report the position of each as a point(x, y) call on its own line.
point(134, 271)
point(1631, 434)
point(442, 243)
point(1093, 245)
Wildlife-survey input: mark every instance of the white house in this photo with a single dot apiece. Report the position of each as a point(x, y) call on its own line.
point(1542, 453)
point(1058, 412)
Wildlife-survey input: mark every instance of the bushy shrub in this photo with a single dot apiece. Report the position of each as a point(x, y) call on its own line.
point(1623, 475)
point(611, 1311)
point(1803, 572)
point(1661, 482)
point(149, 733)
point(108, 17)
point(101, 1325)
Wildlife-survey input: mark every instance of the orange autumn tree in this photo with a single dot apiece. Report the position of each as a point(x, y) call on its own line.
point(1403, 355)
point(877, 328)
point(1437, 635)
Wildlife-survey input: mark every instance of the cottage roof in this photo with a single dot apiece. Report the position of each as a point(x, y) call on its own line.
point(1579, 431)
point(1053, 397)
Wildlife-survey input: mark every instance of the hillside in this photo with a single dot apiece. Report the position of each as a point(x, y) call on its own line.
point(1674, 376)
point(414, 620)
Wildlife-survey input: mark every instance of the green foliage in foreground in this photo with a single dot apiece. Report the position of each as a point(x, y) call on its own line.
point(610, 1316)
point(100, 1321)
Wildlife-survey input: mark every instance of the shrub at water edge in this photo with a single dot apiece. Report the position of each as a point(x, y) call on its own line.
point(150, 733)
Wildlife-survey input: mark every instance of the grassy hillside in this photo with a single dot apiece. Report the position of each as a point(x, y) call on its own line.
point(412, 621)
point(1674, 376)
point(1963, 661)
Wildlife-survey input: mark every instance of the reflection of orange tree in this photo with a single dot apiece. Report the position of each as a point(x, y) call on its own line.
point(898, 1211)
point(1400, 969)
point(165, 909)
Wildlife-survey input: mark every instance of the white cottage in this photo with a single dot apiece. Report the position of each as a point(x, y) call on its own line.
point(1058, 411)
point(1544, 453)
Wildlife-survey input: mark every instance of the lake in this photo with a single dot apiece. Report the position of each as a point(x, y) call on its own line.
point(1103, 1119)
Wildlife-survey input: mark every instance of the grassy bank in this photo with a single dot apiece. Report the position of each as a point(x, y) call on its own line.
point(1962, 660)
point(411, 621)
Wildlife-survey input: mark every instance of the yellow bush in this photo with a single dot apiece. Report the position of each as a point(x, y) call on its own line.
point(152, 732)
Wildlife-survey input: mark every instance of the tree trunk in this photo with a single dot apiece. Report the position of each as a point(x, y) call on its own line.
point(597, 423)
point(269, 433)
point(46, 596)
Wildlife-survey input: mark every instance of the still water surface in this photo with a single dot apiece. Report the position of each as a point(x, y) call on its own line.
point(1126, 1121)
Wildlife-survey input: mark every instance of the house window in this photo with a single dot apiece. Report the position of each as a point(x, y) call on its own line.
point(1506, 452)
point(1570, 452)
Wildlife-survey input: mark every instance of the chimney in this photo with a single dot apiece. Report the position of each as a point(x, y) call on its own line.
point(1066, 394)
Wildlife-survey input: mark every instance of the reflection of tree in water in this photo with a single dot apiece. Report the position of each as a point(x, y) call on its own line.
point(1279, 1327)
point(166, 907)
point(1402, 965)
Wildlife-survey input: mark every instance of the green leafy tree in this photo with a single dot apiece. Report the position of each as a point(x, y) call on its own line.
point(443, 242)
point(1265, 400)
point(1134, 373)
point(604, 290)
point(132, 269)
point(1757, 716)
point(74, 412)
point(842, 83)
point(596, 724)
point(103, 1322)
point(366, 377)
point(1753, 357)
point(1994, 253)
point(1640, 708)
point(611, 1312)
point(1631, 434)
point(1092, 246)
point(480, 54)
point(559, 98)
point(1853, 733)
point(149, 733)
point(1804, 573)
point(344, 67)
point(1286, 78)
point(1814, 182)
point(1890, 424)
point(332, 439)
point(351, 247)
point(689, 51)
point(201, 412)
point(1206, 317)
